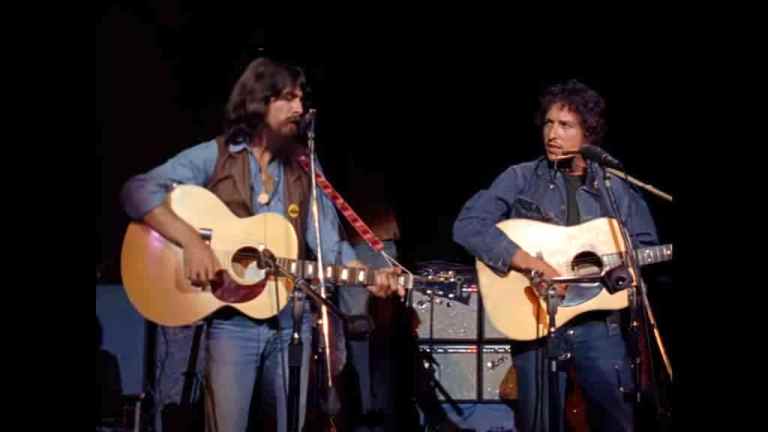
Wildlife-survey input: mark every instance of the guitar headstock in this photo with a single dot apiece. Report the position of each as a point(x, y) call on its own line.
point(448, 284)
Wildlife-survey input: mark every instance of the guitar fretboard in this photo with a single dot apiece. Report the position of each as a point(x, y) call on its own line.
point(343, 275)
point(648, 255)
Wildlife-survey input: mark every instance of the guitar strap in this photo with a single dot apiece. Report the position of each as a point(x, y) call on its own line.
point(357, 223)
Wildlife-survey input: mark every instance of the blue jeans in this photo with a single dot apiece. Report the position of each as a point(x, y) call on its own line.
point(246, 355)
point(602, 370)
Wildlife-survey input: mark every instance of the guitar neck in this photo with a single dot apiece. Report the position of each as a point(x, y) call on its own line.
point(342, 275)
point(647, 255)
point(303, 269)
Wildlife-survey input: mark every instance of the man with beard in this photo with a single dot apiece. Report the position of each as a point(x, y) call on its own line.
point(252, 168)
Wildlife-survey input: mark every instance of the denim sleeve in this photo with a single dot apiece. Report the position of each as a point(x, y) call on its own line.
point(143, 193)
point(636, 216)
point(475, 228)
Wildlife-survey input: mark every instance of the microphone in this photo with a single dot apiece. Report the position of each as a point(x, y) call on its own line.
point(594, 153)
point(307, 123)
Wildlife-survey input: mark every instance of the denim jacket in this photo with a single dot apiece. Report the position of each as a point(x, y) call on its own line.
point(535, 190)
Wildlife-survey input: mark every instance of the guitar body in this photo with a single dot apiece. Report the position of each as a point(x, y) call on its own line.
point(515, 308)
point(153, 267)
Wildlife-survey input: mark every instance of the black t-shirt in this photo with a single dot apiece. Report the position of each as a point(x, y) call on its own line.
point(572, 184)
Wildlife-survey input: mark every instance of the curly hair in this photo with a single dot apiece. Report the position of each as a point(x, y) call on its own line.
point(261, 81)
point(580, 99)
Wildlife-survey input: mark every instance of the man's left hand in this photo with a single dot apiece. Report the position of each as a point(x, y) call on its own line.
point(385, 283)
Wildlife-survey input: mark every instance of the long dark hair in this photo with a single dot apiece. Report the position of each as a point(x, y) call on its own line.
point(261, 81)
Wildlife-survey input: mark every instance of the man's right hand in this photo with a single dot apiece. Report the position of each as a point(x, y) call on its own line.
point(523, 261)
point(200, 264)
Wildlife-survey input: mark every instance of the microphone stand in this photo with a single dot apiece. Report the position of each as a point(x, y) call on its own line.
point(552, 348)
point(621, 277)
point(643, 291)
point(332, 404)
point(302, 289)
point(640, 307)
point(607, 162)
point(637, 182)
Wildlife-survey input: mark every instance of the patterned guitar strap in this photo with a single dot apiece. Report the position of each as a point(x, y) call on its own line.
point(357, 223)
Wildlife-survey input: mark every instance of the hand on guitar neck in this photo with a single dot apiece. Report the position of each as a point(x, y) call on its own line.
point(522, 261)
point(386, 281)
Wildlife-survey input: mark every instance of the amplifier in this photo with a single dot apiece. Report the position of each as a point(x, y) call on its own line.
point(467, 372)
point(452, 311)
point(447, 312)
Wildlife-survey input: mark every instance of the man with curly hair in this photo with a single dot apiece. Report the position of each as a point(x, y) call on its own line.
point(565, 189)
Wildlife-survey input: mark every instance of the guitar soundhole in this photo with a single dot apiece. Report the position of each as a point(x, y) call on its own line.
point(586, 263)
point(247, 264)
point(583, 264)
